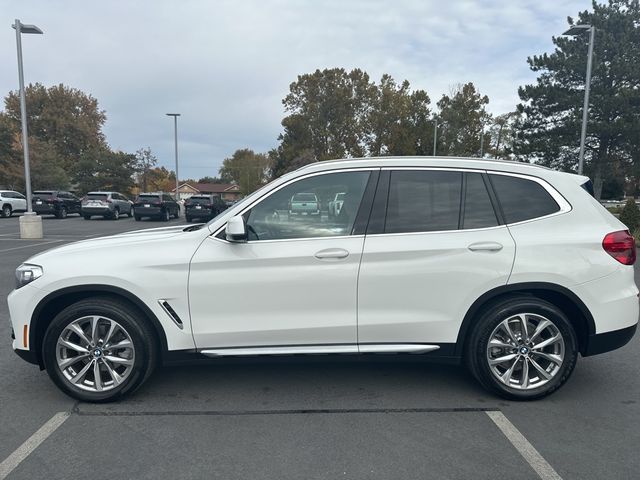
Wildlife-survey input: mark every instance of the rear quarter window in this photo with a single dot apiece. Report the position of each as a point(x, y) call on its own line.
point(522, 199)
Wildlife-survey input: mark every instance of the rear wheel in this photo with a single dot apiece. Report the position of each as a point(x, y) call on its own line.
point(6, 211)
point(99, 349)
point(165, 216)
point(522, 348)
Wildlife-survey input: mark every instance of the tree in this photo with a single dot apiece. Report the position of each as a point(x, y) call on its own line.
point(630, 215)
point(503, 136)
point(333, 113)
point(248, 169)
point(159, 179)
point(65, 118)
point(102, 169)
point(552, 107)
point(144, 162)
point(209, 179)
point(461, 121)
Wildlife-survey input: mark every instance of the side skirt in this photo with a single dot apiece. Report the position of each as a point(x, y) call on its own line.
point(320, 350)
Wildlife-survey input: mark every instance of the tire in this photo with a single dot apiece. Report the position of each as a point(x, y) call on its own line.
point(6, 211)
point(165, 216)
point(187, 218)
point(87, 217)
point(116, 214)
point(177, 214)
point(133, 328)
point(490, 326)
point(62, 213)
point(138, 218)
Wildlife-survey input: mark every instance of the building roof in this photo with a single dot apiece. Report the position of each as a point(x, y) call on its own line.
point(211, 187)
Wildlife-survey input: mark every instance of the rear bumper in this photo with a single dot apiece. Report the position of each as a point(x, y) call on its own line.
point(96, 211)
point(45, 209)
point(147, 212)
point(199, 213)
point(605, 342)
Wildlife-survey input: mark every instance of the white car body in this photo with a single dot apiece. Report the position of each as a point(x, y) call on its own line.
point(14, 200)
point(407, 292)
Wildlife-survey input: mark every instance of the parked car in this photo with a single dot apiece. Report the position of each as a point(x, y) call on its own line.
point(510, 268)
point(336, 204)
point(11, 202)
point(106, 204)
point(156, 205)
point(203, 207)
point(55, 202)
point(303, 204)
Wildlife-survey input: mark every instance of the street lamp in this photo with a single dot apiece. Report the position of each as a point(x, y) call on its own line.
point(435, 135)
point(30, 224)
point(175, 137)
point(575, 31)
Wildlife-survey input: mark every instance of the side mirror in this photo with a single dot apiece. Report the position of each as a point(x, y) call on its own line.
point(236, 230)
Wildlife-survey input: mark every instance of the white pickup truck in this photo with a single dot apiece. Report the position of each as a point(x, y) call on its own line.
point(11, 202)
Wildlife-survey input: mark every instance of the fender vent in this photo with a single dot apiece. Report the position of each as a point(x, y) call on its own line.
point(171, 312)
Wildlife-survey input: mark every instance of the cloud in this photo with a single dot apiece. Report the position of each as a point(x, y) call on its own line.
point(226, 65)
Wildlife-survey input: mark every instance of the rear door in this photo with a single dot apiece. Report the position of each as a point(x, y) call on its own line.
point(434, 245)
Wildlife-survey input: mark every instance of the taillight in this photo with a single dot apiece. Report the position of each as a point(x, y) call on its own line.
point(620, 245)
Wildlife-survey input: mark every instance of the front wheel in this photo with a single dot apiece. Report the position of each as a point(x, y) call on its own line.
point(165, 216)
point(99, 349)
point(115, 215)
point(62, 213)
point(6, 211)
point(522, 348)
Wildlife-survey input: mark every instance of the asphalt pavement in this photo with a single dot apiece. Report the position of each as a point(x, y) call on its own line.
point(318, 418)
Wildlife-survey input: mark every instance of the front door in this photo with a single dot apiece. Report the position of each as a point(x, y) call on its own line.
point(294, 282)
point(436, 246)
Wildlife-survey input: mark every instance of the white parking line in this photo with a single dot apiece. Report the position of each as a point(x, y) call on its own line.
point(29, 246)
point(522, 445)
point(23, 451)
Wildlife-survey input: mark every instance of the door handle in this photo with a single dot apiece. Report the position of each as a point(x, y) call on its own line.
point(485, 247)
point(331, 254)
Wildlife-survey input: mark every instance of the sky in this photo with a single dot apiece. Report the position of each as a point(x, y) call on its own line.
point(227, 65)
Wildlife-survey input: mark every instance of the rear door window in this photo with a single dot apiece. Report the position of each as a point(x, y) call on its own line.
point(522, 199)
point(423, 201)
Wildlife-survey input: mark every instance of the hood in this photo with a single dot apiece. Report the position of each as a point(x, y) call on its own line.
point(114, 242)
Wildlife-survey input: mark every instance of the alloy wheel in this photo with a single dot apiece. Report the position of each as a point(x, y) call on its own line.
point(525, 351)
point(95, 353)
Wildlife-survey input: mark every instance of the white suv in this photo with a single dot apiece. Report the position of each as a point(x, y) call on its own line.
point(512, 268)
point(11, 202)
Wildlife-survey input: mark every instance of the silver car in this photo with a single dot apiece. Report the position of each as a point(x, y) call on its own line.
point(106, 204)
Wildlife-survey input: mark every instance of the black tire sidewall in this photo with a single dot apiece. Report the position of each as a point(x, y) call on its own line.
point(129, 319)
point(487, 322)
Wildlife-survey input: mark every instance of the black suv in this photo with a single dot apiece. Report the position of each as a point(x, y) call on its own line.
point(156, 205)
point(55, 202)
point(203, 207)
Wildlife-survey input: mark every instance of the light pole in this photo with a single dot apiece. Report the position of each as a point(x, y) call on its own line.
point(175, 137)
point(482, 142)
point(435, 135)
point(30, 224)
point(574, 31)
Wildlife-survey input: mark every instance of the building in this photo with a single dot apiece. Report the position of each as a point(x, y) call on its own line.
point(226, 191)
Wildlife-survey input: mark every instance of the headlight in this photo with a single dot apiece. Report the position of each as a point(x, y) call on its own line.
point(27, 273)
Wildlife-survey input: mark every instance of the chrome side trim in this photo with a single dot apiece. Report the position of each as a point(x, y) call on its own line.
point(171, 312)
point(398, 348)
point(318, 350)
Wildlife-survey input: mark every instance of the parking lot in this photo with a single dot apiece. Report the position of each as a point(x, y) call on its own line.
point(312, 418)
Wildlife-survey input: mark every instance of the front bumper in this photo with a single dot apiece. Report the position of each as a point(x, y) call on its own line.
point(605, 342)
